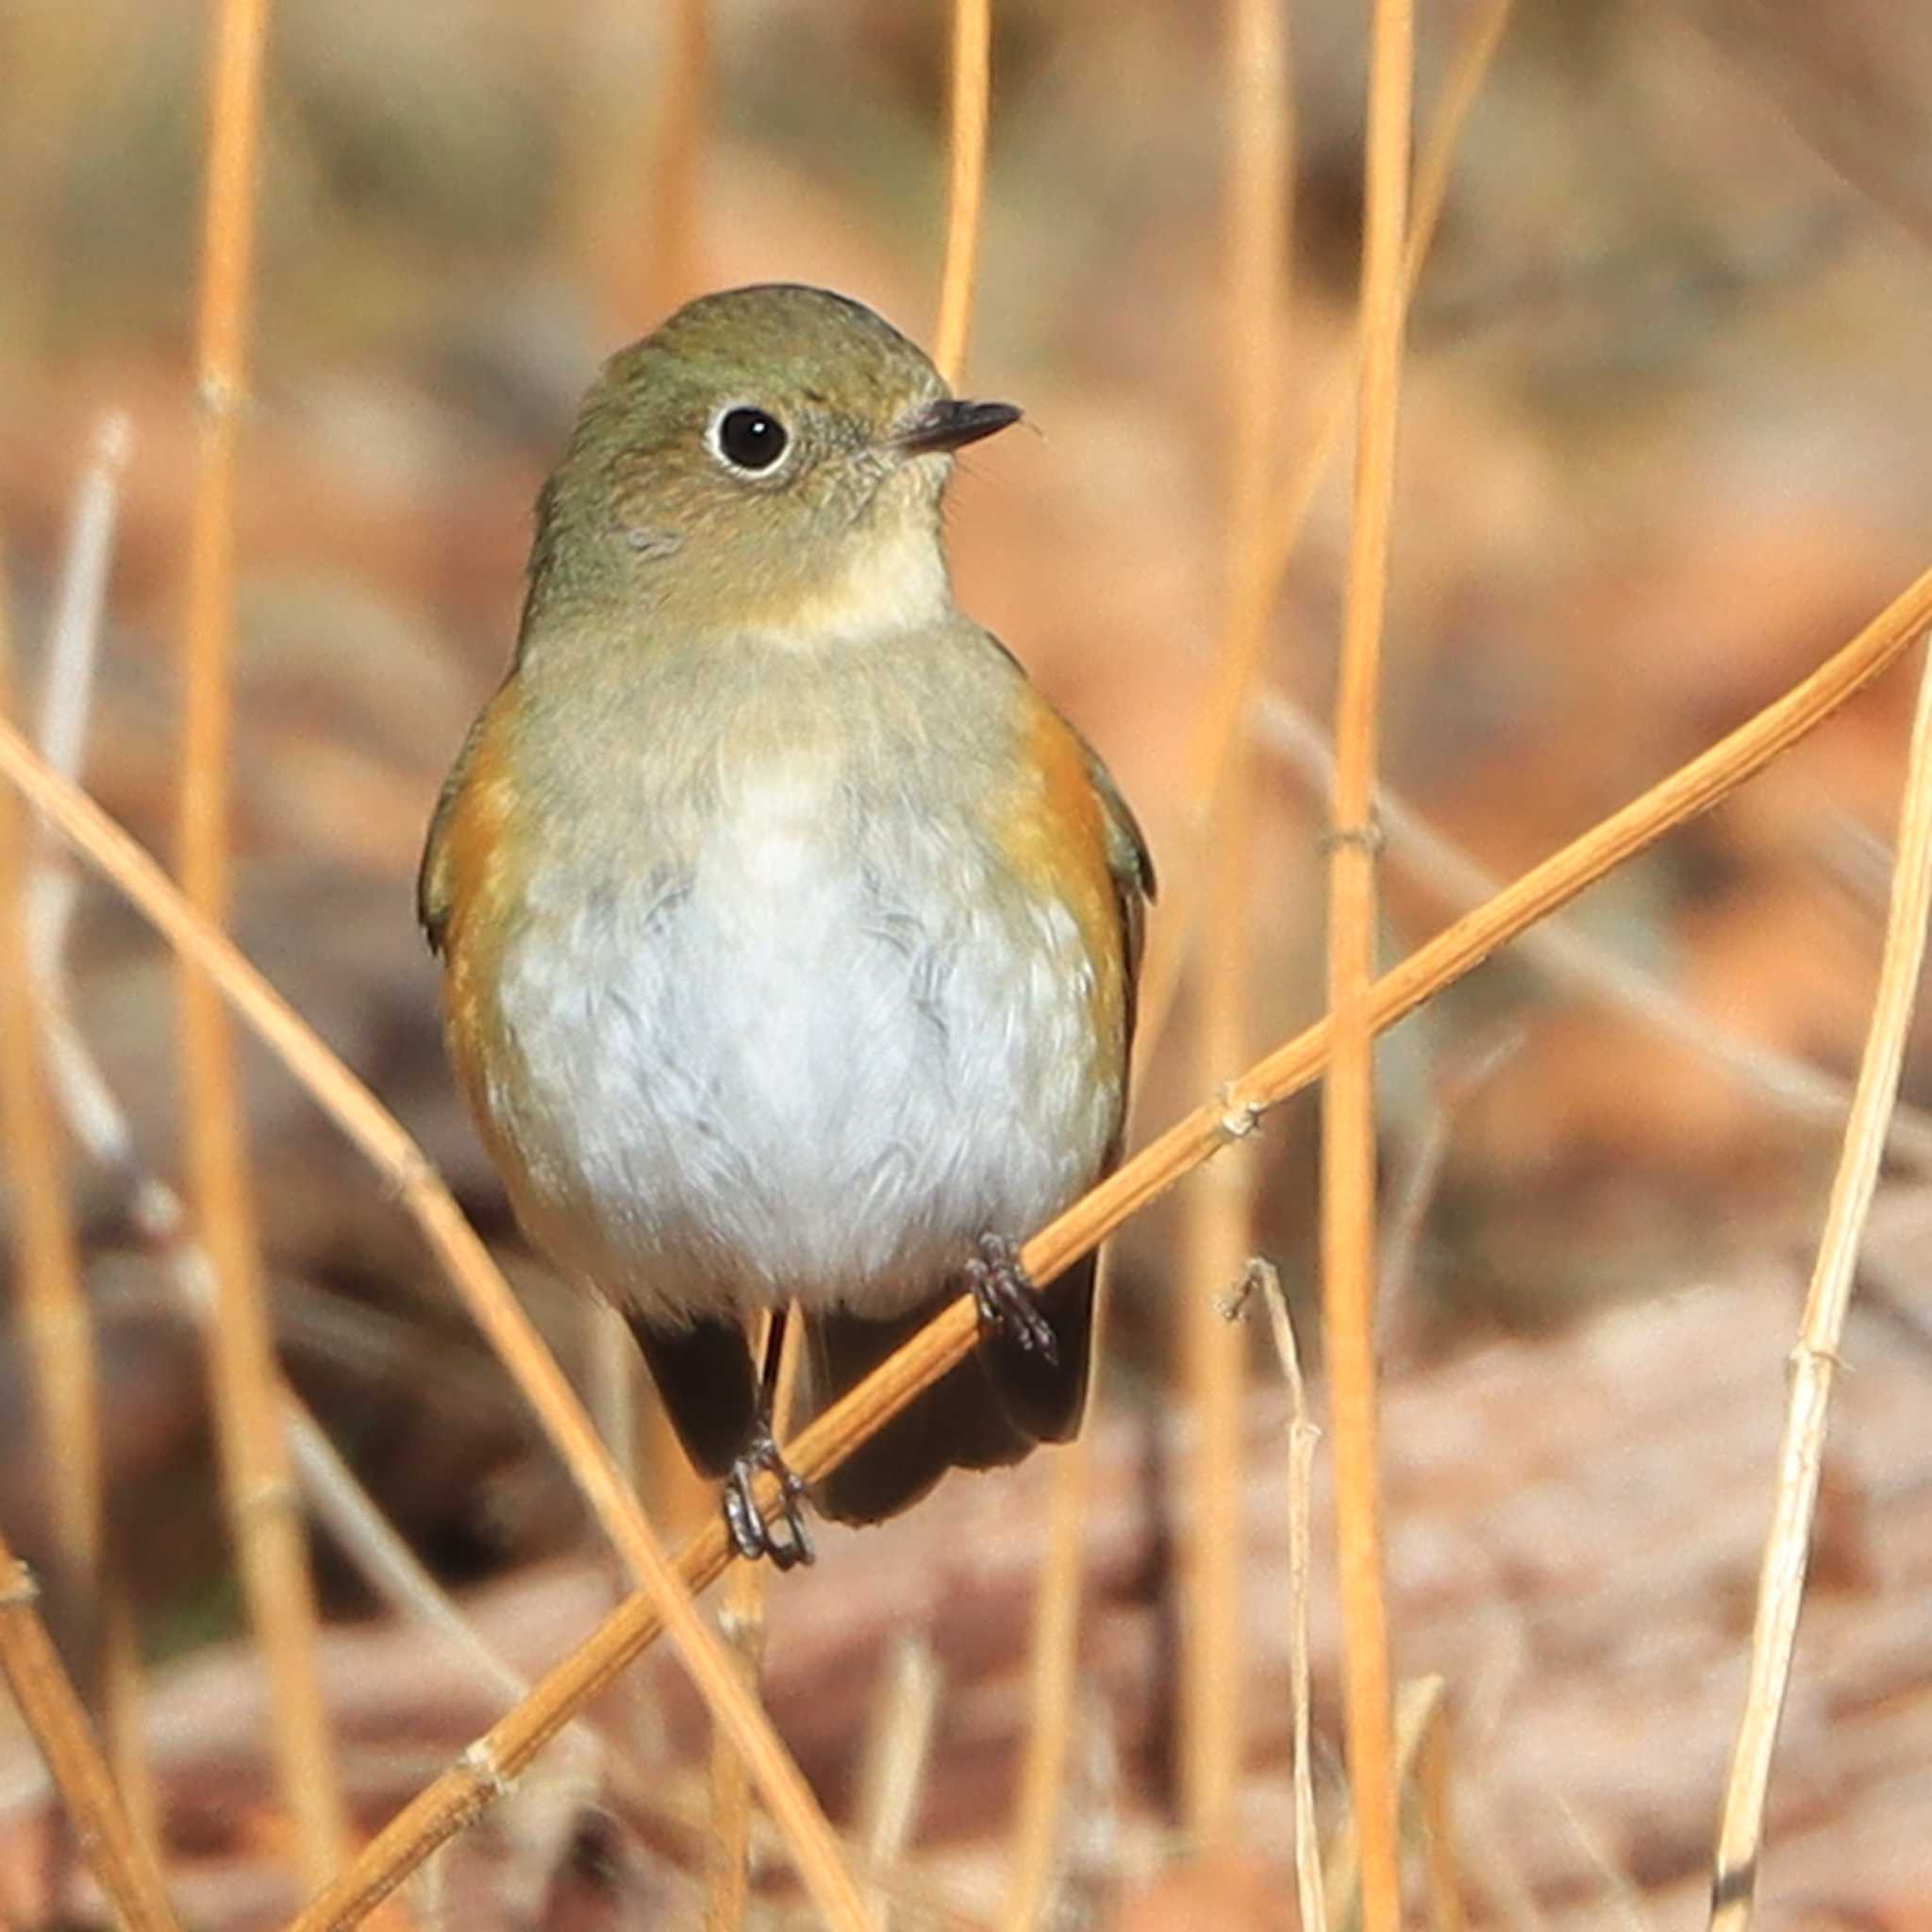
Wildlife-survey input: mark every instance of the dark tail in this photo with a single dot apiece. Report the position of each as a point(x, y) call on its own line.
point(986, 1412)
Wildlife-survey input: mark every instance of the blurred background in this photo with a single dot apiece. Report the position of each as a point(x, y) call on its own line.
point(1665, 419)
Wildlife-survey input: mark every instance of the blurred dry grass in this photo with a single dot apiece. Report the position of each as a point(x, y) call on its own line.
point(1665, 411)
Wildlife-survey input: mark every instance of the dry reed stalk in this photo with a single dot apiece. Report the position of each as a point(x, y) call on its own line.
point(1233, 680)
point(469, 1787)
point(1801, 1455)
point(1212, 1704)
point(1621, 1890)
point(1476, 49)
point(1349, 1269)
point(742, 1620)
point(1220, 1205)
point(124, 1712)
point(53, 1309)
point(647, 1457)
point(652, 1462)
point(971, 103)
point(1569, 955)
point(1470, 1068)
point(54, 1714)
point(610, 1395)
point(53, 1300)
point(1052, 1674)
point(1421, 1708)
point(898, 1749)
point(74, 635)
point(1436, 1807)
point(1301, 1436)
point(1053, 1666)
point(67, 680)
point(728, 1887)
point(264, 1518)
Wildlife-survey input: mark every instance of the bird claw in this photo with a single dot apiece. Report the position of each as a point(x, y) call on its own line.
point(1008, 1299)
point(752, 1535)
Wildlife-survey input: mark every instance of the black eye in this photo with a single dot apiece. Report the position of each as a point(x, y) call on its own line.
point(751, 438)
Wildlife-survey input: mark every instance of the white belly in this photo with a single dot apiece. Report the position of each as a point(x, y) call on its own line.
point(819, 1064)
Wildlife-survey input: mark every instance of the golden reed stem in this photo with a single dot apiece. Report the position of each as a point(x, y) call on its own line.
point(1349, 1269)
point(263, 1512)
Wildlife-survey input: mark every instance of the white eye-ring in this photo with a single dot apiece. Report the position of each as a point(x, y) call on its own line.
point(748, 438)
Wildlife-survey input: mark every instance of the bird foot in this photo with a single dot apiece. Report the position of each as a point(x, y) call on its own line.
point(1008, 1297)
point(753, 1536)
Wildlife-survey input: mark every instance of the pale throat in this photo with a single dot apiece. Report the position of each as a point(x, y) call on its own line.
point(888, 580)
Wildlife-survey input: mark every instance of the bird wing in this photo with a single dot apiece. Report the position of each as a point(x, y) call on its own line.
point(1132, 866)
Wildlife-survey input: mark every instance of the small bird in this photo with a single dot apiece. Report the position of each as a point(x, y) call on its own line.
point(789, 934)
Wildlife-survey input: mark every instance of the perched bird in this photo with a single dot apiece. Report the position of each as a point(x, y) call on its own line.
point(789, 934)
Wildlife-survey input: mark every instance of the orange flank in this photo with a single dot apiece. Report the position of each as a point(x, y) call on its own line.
point(1052, 825)
point(469, 887)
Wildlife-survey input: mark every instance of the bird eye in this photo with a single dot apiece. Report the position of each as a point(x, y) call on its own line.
point(750, 439)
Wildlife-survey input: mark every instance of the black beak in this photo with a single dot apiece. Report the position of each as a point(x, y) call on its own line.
point(950, 425)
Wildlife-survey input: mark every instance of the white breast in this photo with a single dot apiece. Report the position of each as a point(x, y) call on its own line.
point(819, 1064)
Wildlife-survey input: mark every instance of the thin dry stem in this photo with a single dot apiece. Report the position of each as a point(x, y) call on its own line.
point(1435, 1805)
point(1302, 1437)
point(1052, 1675)
point(1620, 1888)
point(124, 1712)
point(1053, 1666)
point(267, 1528)
point(461, 1793)
point(55, 1318)
point(1415, 1189)
point(1801, 1457)
point(72, 652)
point(1235, 674)
point(1220, 1205)
point(1421, 1705)
point(649, 1458)
point(67, 698)
point(743, 1621)
point(971, 93)
point(1237, 667)
point(611, 1393)
point(1476, 49)
point(898, 1749)
point(54, 1714)
point(728, 1885)
point(1561, 949)
point(1348, 1111)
